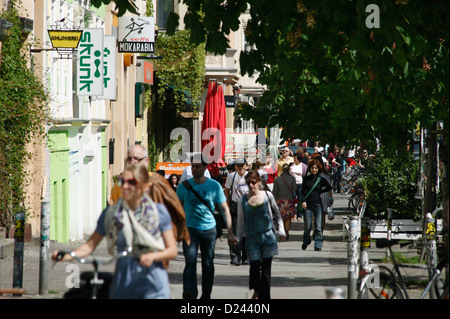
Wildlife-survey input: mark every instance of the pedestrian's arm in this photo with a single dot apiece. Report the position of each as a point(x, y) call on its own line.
point(170, 252)
point(227, 195)
point(84, 250)
point(275, 189)
point(240, 220)
point(277, 218)
point(232, 240)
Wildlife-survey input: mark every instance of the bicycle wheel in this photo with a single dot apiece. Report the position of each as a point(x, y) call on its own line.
point(387, 288)
point(441, 285)
point(351, 205)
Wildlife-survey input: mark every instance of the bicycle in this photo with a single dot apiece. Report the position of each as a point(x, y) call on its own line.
point(93, 284)
point(391, 283)
point(350, 179)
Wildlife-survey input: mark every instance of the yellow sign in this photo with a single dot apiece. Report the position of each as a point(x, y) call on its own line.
point(65, 38)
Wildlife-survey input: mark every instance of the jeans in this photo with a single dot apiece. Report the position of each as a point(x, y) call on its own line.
point(337, 180)
point(299, 192)
point(206, 240)
point(316, 212)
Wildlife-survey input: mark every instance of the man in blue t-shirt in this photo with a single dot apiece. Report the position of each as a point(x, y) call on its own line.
point(202, 229)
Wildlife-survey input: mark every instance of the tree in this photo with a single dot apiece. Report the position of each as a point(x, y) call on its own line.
point(325, 68)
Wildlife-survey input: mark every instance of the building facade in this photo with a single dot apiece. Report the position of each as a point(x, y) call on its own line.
point(88, 138)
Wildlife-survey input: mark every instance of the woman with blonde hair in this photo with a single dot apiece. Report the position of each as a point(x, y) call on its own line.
point(140, 275)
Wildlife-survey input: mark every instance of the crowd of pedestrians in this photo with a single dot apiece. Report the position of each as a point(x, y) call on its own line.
point(255, 204)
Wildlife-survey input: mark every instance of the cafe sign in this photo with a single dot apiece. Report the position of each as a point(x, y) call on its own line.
point(136, 34)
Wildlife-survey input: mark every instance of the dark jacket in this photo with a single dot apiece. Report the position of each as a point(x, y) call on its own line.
point(314, 197)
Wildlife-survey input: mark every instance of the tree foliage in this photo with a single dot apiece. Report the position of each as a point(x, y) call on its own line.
point(331, 76)
point(182, 68)
point(391, 183)
point(23, 114)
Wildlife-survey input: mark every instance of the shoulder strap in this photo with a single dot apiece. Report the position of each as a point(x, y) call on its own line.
point(190, 188)
point(286, 183)
point(232, 182)
point(314, 186)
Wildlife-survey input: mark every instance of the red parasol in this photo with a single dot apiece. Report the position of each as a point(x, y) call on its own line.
point(213, 128)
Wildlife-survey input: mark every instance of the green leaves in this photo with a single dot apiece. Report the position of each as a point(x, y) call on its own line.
point(390, 181)
point(121, 5)
point(23, 115)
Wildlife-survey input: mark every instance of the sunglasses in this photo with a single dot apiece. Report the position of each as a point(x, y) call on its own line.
point(122, 182)
point(253, 182)
point(285, 151)
point(136, 159)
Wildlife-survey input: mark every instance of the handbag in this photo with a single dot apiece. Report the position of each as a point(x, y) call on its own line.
point(220, 224)
point(330, 212)
point(300, 209)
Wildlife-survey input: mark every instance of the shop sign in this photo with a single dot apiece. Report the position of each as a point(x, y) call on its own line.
point(90, 63)
point(65, 39)
point(136, 34)
point(109, 68)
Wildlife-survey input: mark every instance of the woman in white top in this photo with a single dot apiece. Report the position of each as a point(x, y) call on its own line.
point(298, 170)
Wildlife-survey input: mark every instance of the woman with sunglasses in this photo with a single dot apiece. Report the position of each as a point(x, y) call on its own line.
point(255, 211)
point(141, 275)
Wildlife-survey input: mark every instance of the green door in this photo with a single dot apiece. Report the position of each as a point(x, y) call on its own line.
point(59, 185)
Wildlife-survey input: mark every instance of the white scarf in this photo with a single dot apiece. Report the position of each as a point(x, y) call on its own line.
point(142, 236)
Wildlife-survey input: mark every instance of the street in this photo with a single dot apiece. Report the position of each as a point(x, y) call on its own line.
point(296, 274)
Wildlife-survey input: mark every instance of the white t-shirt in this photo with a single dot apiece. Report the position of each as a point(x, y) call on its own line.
point(297, 172)
point(239, 186)
point(187, 173)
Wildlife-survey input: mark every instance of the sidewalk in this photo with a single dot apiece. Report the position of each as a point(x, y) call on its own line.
point(296, 274)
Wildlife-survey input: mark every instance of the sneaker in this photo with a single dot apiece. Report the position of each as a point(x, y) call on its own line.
point(245, 262)
point(318, 249)
point(235, 262)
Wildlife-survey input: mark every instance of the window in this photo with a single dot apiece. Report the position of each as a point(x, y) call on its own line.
point(163, 8)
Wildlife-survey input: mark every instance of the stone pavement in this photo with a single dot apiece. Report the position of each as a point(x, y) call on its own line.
point(296, 274)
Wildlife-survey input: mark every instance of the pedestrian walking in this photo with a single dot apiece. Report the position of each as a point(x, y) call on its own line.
point(174, 180)
point(158, 191)
point(326, 198)
point(141, 275)
point(298, 170)
point(257, 213)
point(313, 186)
point(198, 204)
point(235, 187)
point(339, 162)
point(136, 154)
point(284, 159)
point(271, 171)
point(284, 191)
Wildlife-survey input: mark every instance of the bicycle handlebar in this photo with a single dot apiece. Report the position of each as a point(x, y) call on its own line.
point(62, 253)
